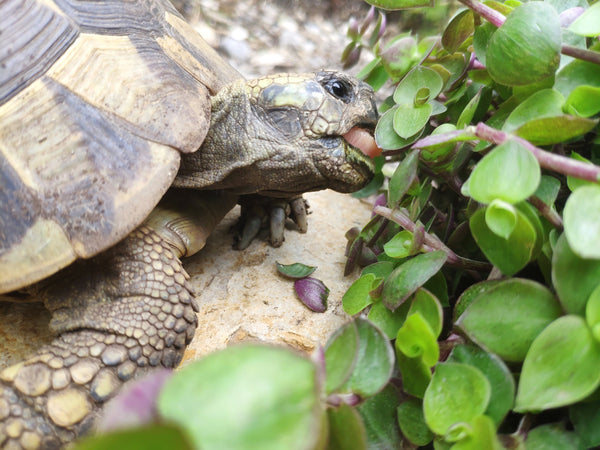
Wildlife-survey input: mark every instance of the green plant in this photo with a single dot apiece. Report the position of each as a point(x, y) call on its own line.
point(491, 211)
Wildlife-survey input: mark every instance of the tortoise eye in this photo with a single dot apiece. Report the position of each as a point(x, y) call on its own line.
point(339, 89)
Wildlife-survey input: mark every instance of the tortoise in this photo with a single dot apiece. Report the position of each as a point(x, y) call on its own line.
point(124, 139)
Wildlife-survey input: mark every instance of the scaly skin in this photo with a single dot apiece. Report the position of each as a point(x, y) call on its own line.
point(120, 315)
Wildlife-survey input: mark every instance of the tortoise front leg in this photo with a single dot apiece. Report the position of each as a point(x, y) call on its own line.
point(117, 316)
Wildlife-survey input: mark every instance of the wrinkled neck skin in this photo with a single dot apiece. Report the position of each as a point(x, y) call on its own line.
point(253, 149)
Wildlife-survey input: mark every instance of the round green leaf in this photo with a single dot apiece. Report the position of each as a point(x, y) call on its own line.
point(582, 221)
point(412, 422)
point(544, 103)
point(584, 101)
point(149, 437)
point(574, 278)
point(340, 356)
point(481, 434)
point(526, 48)
point(387, 321)
point(509, 172)
point(358, 297)
point(561, 367)
point(460, 28)
point(374, 361)
point(457, 393)
point(416, 339)
point(386, 137)
point(552, 436)
point(410, 119)
point(585, 417)
point(418, 78)
point(399, 246)
point(592, 312)
point(507, 318)
point(246, 397)
point(346, 429)
point(509, 255)
point(415, 374)
point(553, 130)
point(498, 374)
point(426, 304)
point(379, 416)
point(403, 178)
point(410, 276)
point(588, 24)
point(501, 218)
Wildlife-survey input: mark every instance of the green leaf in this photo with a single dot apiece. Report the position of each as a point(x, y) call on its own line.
point(498, 374)
point(379, 416)
point(296, 270)
point(426, 304)
point(386, 137)
point(584, 101)
point(457, 393)
point(526, 48)
point(481, 39)
point(518, 178)
point(410, 276)
point(582, 221)
point(507, 318)
point(501, 218)
point(358, 297)
point(418, 78)
point(346, 429)
point(340, 356)
point(411, 119)
point(481, 434)
point(400, 245)
point(387, 321)
point(592, 312)
point(471, 294)
point(577, 73)
point(548, 189)
point(460, 28)
point(544, 103)
point(585, 417)
point(553, 130)
point(552, 436)
point(403, 178)
point(412, 422)
point(246, 397)
point(415, 374)
point(416, 339)
point(574, 278)
point(399, 4)
point(374, 363)
point(509, 255)
point(588, 24)
point(561, 367)
point(154, 437)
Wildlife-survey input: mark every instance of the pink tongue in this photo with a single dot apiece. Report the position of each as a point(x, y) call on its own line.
point(362, 139)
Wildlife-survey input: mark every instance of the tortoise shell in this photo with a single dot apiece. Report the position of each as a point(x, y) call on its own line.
point(97, 99)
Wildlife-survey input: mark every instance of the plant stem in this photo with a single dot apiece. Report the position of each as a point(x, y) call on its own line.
point(497, 19)
point(548, 213)
point(560, 164)
point(431, 241)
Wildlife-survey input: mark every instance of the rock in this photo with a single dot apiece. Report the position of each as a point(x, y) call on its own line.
point(240, 293)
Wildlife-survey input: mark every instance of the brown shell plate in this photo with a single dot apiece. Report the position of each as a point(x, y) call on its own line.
point(97, 99)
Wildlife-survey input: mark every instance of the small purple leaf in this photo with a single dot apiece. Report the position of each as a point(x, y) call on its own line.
point(313, 293)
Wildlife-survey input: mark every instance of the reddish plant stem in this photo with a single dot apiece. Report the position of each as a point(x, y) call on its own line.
point(497, 19)
point(552, 161)
point(431, 242)
point(551, 215)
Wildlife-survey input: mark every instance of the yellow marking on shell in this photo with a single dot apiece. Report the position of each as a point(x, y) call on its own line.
point(67, 407)
point(60, 379)
point(105, 384)
point(33, 380)
point(4, 409)
point(43, 250)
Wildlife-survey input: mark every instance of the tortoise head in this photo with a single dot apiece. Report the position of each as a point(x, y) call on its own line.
point(286, 134)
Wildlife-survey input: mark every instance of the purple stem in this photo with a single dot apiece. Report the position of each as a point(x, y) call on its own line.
point(552, 161)
point(431, 242)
